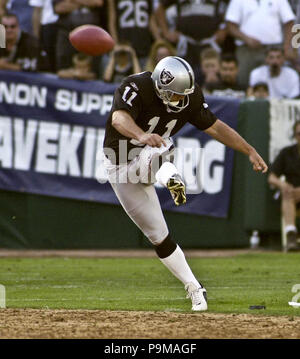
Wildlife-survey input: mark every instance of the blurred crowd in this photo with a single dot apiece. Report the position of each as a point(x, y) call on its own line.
point(237, 48)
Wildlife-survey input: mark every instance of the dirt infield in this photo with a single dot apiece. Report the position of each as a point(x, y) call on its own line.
point(32, 323)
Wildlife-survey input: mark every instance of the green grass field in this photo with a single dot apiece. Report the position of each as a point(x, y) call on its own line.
point(232, 283)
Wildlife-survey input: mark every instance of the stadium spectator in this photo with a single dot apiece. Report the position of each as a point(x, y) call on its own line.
point(132, 21)
point(257, 25)
point(44, 27)
point(283, 81)
point(287, 164)
point(260, 91)
point(191, 38)
point(21, 9)
point(228, 84)
point(81, 69)
point(158, 51)
point(210, 67)
point(73, 13)
point(22, 52)
point(122, 63)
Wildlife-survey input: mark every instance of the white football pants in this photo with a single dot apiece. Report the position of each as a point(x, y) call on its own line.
point(133, 185)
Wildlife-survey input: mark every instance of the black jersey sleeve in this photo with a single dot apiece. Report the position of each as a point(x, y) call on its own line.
point(127, 98)
point(202, 117)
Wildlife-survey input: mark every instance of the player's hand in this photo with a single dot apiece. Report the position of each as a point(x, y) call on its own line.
point(152, 139)
point(258, 163)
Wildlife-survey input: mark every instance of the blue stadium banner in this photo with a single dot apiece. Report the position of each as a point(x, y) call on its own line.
point(51, 130)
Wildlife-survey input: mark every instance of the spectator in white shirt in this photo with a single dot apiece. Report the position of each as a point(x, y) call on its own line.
point(44, 27)
point(256, 26)
point(283, 81)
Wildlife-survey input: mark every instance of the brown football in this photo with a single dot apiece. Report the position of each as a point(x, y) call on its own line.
point(91, 40)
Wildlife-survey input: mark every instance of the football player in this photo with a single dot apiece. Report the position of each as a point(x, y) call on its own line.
point(149, 108)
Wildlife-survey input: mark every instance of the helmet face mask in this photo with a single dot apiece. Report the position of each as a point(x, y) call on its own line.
point(173, 76)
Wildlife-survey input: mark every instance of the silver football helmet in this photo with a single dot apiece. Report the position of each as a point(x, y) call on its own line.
point(173, 75)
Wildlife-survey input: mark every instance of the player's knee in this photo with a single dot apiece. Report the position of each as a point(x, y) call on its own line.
point(166, 247)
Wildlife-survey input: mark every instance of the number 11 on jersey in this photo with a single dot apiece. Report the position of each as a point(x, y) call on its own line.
point(153, 123)
point(129, 100)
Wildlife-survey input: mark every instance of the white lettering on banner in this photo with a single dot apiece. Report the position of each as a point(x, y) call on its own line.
point(89, 152)
point(93, 102)
point(62, 100)
point(24, 141)
point(6, 148)
point(213, 164)
point(107, 101)
point(84, 102)
point(23, 94)
point(48, 146)
point(26, 95)
point(46, 158)
point(68, 145)
point(66, 150)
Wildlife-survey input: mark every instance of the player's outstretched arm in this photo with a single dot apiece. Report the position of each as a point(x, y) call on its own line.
point(229, 137)
point(125, 124)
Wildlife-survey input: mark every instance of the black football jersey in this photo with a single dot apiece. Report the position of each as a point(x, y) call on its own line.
point(133, 24)
point(137, 96)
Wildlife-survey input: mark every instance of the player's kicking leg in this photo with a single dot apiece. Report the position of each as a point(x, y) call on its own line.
point(142, 206)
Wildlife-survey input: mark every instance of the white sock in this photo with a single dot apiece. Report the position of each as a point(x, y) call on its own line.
point(178, 265)
point(290, 227)
point(166, 171)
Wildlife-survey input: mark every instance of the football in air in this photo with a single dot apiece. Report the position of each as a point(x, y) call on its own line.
point(91, 40)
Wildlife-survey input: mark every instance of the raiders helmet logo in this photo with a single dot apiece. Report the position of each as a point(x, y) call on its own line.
point(166, 77)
